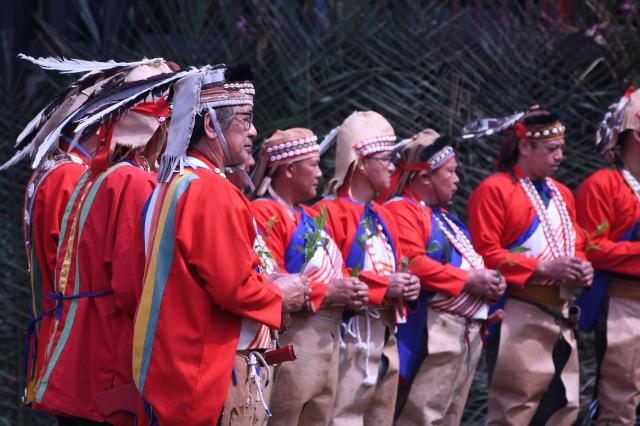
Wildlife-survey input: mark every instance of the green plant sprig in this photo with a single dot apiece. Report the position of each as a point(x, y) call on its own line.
point(362, 241)
point(591, 236)
point(313, 239)
point(508, 261)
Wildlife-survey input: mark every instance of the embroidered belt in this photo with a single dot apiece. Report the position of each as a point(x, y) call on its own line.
point(541, 299)
point(625, 288)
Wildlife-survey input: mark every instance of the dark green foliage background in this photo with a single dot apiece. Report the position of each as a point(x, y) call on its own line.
point(421, 64)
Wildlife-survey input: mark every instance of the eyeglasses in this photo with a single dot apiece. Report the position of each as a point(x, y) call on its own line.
point(248, 122)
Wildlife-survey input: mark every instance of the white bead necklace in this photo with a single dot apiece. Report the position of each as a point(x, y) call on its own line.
point(631, 181)
point(557, 249)
point(460, 241)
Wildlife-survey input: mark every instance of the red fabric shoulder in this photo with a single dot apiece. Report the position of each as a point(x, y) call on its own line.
point(606, 209)
point(414, 223)
point(499, 212)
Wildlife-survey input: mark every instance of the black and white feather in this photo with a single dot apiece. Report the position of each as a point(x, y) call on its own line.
point(329, 140)
point(36, 123)
point(105, 105)
point(488, 126)
point(29, 138)
point(609, 127)
point(25, 152)
point(74, 66)
point(397, 148)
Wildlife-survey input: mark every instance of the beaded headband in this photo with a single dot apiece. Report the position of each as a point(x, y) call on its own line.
point(280, 152)
point(374, 145)
point(441, 157)
point(540, 132)
point(227, 94)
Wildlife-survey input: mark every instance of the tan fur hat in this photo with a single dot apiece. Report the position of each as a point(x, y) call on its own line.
point(363, 133)
point(135, 128)
point(622, 115)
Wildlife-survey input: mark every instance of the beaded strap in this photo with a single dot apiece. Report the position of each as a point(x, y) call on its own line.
point(631, 180)
point(557, 249)
point(379, 264)
point(460, 241)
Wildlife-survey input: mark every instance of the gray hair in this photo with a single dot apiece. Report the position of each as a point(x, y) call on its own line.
point(225, 115)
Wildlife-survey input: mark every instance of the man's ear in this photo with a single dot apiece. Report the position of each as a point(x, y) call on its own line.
point(524, 147)
point(209, 130)
point(289, 170)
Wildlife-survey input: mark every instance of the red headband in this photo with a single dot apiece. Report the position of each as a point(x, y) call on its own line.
point(159, 108)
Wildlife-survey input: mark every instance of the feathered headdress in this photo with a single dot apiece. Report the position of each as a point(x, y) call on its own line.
point(484, 127)
point(199, 91)
point(533, 125)
point(620, 116)
point(96, 76)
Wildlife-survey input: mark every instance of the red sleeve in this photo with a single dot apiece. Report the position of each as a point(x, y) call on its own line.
point(487, 213)
point(124, 248)
point(596, 205)
point(415, 229)
point(216, 236)
point(274, 229)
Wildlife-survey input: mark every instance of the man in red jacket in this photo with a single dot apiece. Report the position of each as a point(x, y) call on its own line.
point(522, 222)
point(367, 236)
point(441, 342)
point(608, 206)
point(204, 318)
point(47, 193)
point(305, 390)
point(86, 370)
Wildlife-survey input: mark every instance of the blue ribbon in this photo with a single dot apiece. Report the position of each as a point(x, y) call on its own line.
point(59, 298)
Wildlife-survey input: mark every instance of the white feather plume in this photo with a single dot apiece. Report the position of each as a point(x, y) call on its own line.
point(52, 137)
point(329, 140)
point(98, 116)
point(19, 156)
point(488, 126)
point(50, 141)
point(73, 66)
point(31, 126)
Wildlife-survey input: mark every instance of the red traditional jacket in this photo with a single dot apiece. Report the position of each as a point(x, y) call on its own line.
point(605, 198)
point(47, 195)
point(345, 220)
point(285, 232)
point(99, 271)
point(414, 225)
point(201, 280)
point(502, 216)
